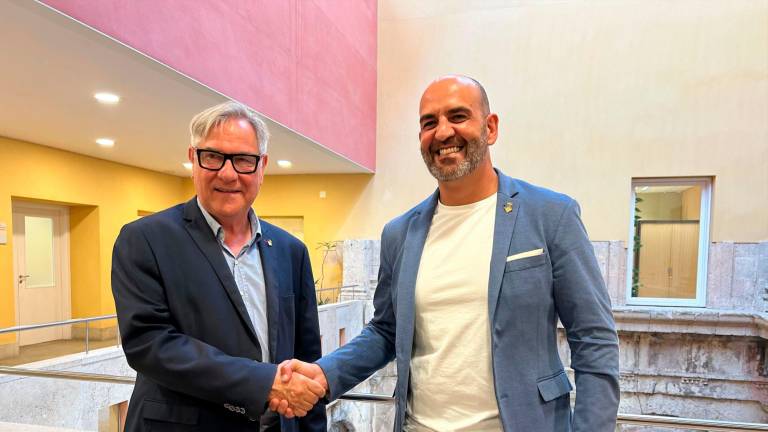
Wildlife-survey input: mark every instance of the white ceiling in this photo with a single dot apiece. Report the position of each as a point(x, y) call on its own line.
point(52, 65)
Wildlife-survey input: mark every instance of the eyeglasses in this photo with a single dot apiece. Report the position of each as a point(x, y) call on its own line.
point(212, 160)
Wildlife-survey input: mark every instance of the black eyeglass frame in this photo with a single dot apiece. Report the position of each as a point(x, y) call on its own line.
point(227, 157)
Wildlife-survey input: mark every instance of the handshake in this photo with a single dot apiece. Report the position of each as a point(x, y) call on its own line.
point(297, 388)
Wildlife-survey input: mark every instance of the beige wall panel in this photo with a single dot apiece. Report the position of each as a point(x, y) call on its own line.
point(684, 260)
point(691, 203)
point(590, 94)
point(655, 260)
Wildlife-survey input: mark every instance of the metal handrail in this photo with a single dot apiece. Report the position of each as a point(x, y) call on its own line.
point(633, 419)
point(366, 397)
point(75, 376)
point(65, 322)
point(56, 323)
point(688, 423)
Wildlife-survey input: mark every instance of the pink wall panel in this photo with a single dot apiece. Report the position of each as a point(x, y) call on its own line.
point(309, 64)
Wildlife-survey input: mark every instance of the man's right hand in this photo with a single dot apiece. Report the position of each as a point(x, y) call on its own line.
point(295, 394)
point(304, 370)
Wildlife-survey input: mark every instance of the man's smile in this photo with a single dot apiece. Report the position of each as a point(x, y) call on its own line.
point(226, 190)
point(449, 150)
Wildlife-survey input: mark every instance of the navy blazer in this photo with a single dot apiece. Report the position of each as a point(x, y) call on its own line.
point(525, 299)
point(186, 331)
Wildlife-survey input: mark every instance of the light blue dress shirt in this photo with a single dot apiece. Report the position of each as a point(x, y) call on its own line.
point(248, 272)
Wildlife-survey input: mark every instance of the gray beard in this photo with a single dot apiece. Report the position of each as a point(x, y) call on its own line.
point(475, 151)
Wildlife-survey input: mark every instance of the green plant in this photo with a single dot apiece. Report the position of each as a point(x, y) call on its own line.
point(322, 301)
point(326, 247)
point(636, 249)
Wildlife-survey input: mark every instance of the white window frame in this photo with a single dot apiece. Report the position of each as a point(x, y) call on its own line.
point(704, 218)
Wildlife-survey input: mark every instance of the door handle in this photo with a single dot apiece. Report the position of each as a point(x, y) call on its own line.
point(23, 278)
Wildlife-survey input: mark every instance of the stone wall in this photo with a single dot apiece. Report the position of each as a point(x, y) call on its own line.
point(64, 403)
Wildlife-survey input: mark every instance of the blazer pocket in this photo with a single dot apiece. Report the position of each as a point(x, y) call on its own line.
point(163, 411)
point(526, 263)
point(555, 386)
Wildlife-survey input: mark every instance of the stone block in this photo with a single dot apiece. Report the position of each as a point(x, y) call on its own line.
point(633, 320)
point(719, 275)
point(602, 253)
point(329, 339)
point(353, 255)
point(744, 286)
point(628, 352)
point(62, 403)
point(666, 320)
point(734, 324)
point(617, 273)
point(762, 277)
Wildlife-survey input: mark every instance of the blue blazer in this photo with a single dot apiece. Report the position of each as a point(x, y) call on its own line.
point(186, 331)
point(525, 299)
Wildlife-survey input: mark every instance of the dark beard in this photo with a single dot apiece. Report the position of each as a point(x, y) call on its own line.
point(475, 151)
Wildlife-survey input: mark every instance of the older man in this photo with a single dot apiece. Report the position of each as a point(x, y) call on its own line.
point(471, 285)
point(209, 297)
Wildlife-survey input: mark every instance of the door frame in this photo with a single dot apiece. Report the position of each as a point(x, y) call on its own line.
point(60, 214)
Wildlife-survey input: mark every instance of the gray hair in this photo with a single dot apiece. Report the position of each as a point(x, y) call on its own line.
point(203, 123)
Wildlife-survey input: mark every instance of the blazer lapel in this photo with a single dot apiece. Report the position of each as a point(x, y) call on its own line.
point(201, 233)
point(507, 208)
point(412, 249)
point(269, 263)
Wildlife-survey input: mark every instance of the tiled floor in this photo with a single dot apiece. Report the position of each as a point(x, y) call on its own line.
point(47, 350)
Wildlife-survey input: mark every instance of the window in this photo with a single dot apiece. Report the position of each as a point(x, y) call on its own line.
point(668, 242)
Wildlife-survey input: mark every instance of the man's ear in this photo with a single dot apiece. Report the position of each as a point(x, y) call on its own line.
point(492, 126)
point(191, 157)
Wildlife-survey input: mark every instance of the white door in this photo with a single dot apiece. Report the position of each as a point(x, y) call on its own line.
point(41, 270)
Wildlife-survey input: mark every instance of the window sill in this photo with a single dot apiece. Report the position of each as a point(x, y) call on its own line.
point(703, 321)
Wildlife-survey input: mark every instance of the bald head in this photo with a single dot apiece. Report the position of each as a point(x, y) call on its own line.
point(462, 81)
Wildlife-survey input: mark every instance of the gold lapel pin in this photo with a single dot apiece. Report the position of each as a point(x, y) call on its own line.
point(269, 242)
point(508, 207)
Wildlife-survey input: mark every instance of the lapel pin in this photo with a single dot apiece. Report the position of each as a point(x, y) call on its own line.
point(269, 242)
point(508, 207)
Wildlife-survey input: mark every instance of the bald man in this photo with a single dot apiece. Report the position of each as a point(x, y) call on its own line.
point(471, 285)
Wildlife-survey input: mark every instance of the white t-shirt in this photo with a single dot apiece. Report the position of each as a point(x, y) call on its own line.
point(451, 387)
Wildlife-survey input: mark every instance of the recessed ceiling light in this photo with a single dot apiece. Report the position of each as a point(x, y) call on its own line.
point(105, 142)
point(284, 164)
point(187, 165)
point(107, 98)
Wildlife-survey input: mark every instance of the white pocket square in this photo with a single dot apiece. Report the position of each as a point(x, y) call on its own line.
point(530, 253)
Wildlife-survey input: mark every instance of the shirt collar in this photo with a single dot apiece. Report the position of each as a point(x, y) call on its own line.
point(218, 232)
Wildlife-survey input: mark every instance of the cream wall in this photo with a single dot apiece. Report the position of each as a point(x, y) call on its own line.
point(589, 95)
point(102, 196)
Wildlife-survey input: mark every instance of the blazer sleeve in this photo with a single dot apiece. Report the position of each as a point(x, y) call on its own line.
point(374, 347)
point(155, 348)
point(307, 347)
point(584, 308)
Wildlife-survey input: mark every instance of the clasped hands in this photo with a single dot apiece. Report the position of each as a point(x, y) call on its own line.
point(297, 388)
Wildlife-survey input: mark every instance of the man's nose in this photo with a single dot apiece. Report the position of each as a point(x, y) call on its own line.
point(227, 172)
point(444, 130)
